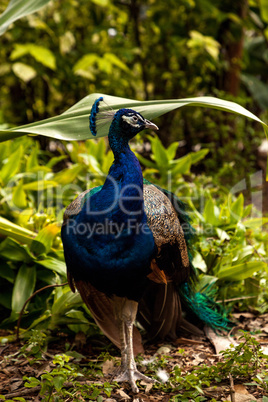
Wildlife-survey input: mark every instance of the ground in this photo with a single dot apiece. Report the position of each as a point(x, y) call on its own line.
point(88, 373)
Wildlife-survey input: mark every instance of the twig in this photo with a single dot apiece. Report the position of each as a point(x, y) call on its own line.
point(29, 298)
point(25, 391)
point(232, 390)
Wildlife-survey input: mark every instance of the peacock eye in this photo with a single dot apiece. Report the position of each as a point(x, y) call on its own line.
point(135, 119)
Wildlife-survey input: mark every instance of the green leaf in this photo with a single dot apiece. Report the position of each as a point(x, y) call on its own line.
point(39, 53)
point(240, 272)
point(23, 287)
point(264, 10)
point(58, 382)
point(32, 159)
point(73, 124)
point(114, 60)
point(54, 265)
point(146, 162)
point(199, 155)
point(40, 185)
point(159, 153)
point(17, 9)
point(12, 166)
point(67, 176)
point(6, 272)
point(182, 165)
point(17, 232)
point(19, 196)
point(44, 240)
point(211, 213)
point(14, 251)
point(237, 209)
point(172, 149)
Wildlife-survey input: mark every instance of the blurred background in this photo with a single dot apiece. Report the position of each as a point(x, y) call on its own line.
point(153, 49)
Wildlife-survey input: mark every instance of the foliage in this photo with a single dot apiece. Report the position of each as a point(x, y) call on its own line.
point(53, 386)
point(229, 252)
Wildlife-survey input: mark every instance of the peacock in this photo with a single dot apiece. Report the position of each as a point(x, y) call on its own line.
point(126, 247)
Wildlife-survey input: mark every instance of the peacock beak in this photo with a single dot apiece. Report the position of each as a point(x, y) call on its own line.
point(149, 124)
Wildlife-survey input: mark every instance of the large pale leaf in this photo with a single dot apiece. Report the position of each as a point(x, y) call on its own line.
point(239, 272)
point(23, 287)
point(73, 124)
point(17, 9)
point(10, 229)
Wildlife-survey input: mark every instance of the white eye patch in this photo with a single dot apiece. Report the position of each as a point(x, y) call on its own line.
point(132, 120)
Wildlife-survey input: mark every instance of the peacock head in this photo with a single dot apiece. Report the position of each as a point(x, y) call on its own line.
point(127, 123)
point(124, 124)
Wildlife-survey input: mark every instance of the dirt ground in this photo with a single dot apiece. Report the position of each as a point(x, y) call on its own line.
point(14, 366)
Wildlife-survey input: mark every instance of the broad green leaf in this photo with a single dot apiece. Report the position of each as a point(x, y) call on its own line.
point(16, 232)
point(172, 149)
point(199, 41)
point(54, 265)
point(182, 165)
point(242, 271)
point(255, 223)
point(40, 185)
point(45, 238)
point(159, 154)
point(39, 53)
point(32, 159)
point(211, 213)
point(67, 176)
point(73, 124)
point(5, 298)
point(199, 155)
point(146, 162)
point(83, 322)
point(17, 9)
point(62, 304)
point(6, 272)
point(264, 9)
point(23, 287)
point(237, 209)
point(56, 159)
point(114, 60)
point(19, 196)
point(11, 250)
point(12, 166)
point(58, 382)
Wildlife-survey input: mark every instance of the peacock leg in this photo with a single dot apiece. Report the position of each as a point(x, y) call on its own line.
point(123, 347)
point(126, 311)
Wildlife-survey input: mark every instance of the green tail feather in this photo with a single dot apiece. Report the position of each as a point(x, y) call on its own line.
point(202, 304)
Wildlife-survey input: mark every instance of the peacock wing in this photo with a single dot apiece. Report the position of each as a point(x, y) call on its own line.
point(160, 308)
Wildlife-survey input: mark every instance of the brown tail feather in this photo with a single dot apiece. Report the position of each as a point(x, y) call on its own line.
point(102, 310)
point(160, 311)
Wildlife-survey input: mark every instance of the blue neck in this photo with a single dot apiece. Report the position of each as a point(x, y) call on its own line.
point(125, 178)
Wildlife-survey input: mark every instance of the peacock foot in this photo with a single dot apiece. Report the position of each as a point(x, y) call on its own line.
point(131, 376)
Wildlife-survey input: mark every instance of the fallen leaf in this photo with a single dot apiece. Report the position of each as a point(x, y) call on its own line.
point(241, 389)
point(123, 394)
point(107, 367)
point(242, 397)
point(220, 343)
